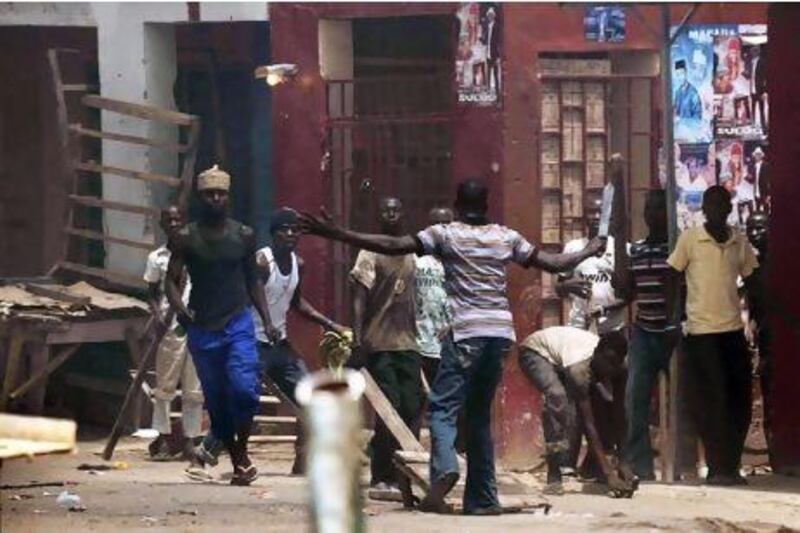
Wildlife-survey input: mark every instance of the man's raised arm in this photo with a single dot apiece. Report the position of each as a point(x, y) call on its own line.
point(324, 226)
point(551, 262)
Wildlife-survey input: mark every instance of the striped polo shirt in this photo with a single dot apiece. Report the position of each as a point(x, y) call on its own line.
point(650, 271)
point(474, 260)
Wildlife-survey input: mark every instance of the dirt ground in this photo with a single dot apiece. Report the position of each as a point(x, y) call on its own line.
point(156, 496)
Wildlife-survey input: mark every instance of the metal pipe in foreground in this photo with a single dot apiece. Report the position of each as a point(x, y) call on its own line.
point(332, 410)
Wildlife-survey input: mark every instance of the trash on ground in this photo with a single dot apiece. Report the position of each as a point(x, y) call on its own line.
point(70, 502)
point(116, 465)
point(146, 433)
point(19, 497)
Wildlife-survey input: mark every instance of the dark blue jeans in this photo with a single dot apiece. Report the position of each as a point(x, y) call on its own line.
point(468, 376)
point(648, 355)
point(285, 368)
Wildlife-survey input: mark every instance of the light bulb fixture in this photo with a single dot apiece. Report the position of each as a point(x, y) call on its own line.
point(276, 74)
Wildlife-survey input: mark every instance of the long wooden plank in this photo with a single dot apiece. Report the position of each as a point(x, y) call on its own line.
point(92, 201)
point(137, 110)
point(153, 177)
point(383, 408)
point(105, 274)
point(98, 236)
point(133, 139)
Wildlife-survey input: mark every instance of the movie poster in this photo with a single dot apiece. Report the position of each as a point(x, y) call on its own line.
point(478, 56)
point(720, 118)
point(604, 24)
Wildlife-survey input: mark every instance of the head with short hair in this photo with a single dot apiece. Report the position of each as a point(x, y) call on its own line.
point(717, 205)
point(608, 360)
point(655, 212)
point(440, 215)
point(171, 220)
point(680, 72)
point(592, 209)
point(283, 226)
point(472, 200)
point(391, 215)
point(758, 229)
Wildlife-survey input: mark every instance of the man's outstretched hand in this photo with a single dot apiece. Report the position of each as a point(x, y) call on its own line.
point(321, 224)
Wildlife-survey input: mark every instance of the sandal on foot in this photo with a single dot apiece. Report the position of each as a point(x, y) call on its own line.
point(244, 475)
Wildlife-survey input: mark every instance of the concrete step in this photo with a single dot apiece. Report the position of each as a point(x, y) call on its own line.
point(272, 439)
point(266, 419)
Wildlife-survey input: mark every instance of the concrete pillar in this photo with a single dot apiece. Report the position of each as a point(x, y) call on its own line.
point(137, 62)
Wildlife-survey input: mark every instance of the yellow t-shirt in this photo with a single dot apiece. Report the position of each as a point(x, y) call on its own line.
point(712, 270)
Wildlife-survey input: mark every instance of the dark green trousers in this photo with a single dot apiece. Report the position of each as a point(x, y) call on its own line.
point(398, 376)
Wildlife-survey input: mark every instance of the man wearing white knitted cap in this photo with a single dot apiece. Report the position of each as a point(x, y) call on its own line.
point(219, 254)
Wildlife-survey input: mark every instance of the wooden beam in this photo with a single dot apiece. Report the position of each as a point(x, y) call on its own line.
point(92, 201)
point(56, 293)
point(91, 166)
point(97, 134)
point(114, 277)
point(79, 87)
point(99, 236)
point(137, 110)
point(49, 368)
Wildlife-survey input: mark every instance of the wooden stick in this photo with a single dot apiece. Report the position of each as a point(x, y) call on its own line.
point(136, 384)
point(51, 367)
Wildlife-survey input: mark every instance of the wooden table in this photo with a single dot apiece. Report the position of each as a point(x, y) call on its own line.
point(40, 338)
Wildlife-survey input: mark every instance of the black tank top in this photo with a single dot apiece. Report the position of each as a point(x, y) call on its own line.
point(216, 267)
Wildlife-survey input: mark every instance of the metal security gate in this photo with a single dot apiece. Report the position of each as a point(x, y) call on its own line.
point(385, 136)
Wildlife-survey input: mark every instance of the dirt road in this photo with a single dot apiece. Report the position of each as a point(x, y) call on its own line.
point(156, 497)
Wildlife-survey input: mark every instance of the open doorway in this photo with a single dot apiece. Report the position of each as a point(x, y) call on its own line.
point(215, 81)
point(389, 123)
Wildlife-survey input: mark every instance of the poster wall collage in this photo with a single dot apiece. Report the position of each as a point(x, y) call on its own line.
point(721, 119)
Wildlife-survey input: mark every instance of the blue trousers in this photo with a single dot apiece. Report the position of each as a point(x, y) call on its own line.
point(468, 376)
point(648, 355)
point(285, 368)
point(227, 365)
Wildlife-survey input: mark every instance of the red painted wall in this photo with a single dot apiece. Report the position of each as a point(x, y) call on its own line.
point(784, 95)
point(504, 139)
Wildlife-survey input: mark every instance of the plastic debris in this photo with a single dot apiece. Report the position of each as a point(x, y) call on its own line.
point(19, 497)
point(70, 502)
point(146, 433)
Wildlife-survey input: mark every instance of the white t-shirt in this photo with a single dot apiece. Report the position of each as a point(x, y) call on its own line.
point(278, 291)
point(563, 346)
point(155, 271)
point(598, 271)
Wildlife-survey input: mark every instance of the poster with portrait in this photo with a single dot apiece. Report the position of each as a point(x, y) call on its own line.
point(604, 24)
point(479, 53)
point(694, 173)
point(721, 109)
